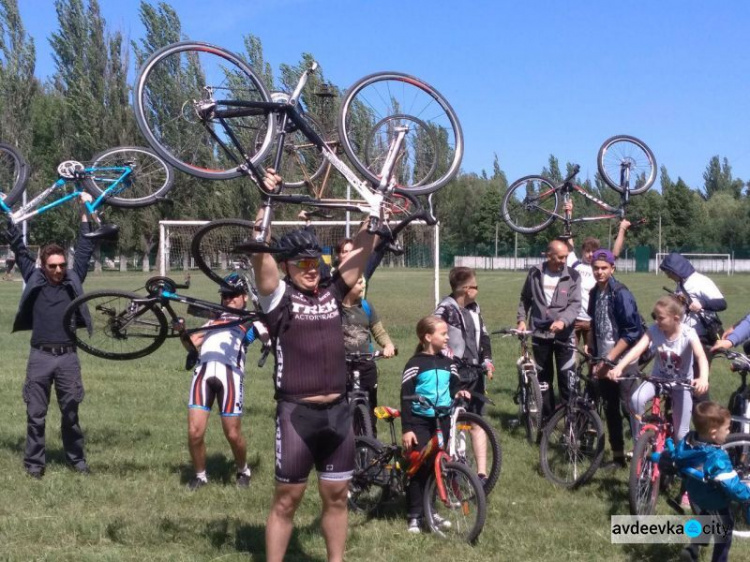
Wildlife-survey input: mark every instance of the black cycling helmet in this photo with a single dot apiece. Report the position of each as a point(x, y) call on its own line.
point(234, 284)
point(300, 243)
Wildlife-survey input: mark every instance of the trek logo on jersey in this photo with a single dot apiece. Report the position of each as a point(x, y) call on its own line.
point(320, 311)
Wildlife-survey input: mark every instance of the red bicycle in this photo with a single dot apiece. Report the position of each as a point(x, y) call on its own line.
point(454, 501)
point(645, 477)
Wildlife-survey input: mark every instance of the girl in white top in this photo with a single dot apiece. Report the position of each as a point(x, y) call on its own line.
point(675, 345)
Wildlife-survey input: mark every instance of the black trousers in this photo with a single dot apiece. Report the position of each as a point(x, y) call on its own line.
point(424, 428)
point(613, 394)
point(42, 370)
point(545, 351)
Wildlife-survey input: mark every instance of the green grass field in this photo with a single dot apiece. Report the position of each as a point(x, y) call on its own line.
point(136, 507)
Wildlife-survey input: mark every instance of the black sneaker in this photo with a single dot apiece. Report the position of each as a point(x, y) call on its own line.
point(34, 473)
point(196, 483)
point(83, 469)
point(243, 479)
point(614, 464)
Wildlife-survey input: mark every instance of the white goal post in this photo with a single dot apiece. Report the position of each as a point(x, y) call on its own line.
point(421, 243)
point(703, 263)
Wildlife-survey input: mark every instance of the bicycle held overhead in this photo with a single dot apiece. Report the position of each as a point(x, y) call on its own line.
point(533, 203)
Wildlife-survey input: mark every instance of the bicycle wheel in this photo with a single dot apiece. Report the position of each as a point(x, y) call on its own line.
point(530, 205)
point(365, 129)
point(301, 161)
point(361, 421)
point(626, 164)
point(473, 435)
point(531, 411)
point(136, 177)
point(643, 486)
point(187, 103)
point(463, 513)
point(122, 327)
point(368, 487)
point(212, 248)
point(737, 447)
point(572, 447)
point(14, 173)
point(379, 139)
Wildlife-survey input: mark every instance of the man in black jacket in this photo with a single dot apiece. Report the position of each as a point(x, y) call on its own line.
point(49, 290)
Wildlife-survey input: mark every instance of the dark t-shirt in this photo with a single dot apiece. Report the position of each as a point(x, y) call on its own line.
point(307, 339)
point(357, 326)
point(48, 311)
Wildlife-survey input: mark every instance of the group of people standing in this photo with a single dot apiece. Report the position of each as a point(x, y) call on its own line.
point(312, 320)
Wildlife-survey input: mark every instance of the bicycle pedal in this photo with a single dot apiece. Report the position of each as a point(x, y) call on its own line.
point(514, 423)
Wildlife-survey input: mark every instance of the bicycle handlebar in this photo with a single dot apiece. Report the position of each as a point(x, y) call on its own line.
point(445, 410)
point(374, 356)
point(573, 173)
point(740, 363)
point(512, 332)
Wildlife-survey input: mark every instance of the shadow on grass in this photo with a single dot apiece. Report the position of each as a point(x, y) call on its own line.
point(252, 539)
point(614, 490)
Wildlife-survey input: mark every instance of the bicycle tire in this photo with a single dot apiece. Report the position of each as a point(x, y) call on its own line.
point(14, 174)
point(625, 152)
point(362, 422)
point(643, 484)
point(368, 488)
point(737, 446)
point(151, 177)
point(375, 97)
point(212, 247)
point(170, 86)
point(570, 455)
point(376, 148)
point(302, 162)
point(531, 412)
point(494, 464)
point(530, 205)
point(117, 332)
point(467, 509)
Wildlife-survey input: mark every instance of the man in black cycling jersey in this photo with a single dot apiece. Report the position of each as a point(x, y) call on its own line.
point(313, 423)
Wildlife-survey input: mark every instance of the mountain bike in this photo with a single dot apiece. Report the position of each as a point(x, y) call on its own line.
point(359, 401)
point(125, 176)
point(656, 426)
point(572, 444)
point(739, 401)
point(528, 394)
point(225, 245)
point(453, 492)
point(533, 203)
point(126, 325)
point(205, 111)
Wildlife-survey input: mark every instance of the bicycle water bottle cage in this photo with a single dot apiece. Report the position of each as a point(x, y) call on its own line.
point(70, 169)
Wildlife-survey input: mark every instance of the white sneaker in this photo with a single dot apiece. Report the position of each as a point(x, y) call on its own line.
point(440, 523)
point(414, 526)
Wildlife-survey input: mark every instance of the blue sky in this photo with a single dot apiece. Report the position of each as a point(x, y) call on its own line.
point(526, 78)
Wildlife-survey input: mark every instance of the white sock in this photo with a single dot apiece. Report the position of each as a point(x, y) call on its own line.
point(245, 470)
point(202, 475)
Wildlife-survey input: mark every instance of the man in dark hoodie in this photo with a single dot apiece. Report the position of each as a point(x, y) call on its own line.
point(551, 299)
point(48, 292)
point(702, 300)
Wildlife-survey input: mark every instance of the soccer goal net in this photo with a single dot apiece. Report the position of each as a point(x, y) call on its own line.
point(703, 263)
point(419, 240)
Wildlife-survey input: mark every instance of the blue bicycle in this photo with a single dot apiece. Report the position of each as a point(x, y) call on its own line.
point(126, 176)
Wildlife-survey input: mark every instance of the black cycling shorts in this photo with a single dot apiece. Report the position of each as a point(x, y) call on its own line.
point(310, 435)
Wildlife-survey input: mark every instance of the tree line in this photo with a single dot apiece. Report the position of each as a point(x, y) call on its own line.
point(84, 108)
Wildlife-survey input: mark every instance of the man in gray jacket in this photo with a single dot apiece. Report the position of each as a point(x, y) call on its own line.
point(551, 300)
point(52, 359)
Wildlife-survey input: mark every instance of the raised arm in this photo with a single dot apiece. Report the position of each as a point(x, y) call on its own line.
point(620, 240)
point(354, 266)
point(264, 265)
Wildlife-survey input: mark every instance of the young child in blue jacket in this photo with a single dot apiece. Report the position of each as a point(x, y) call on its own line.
point(701, 449)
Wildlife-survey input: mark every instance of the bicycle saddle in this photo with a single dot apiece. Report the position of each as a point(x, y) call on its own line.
point(384, 412)
point(104, 232)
